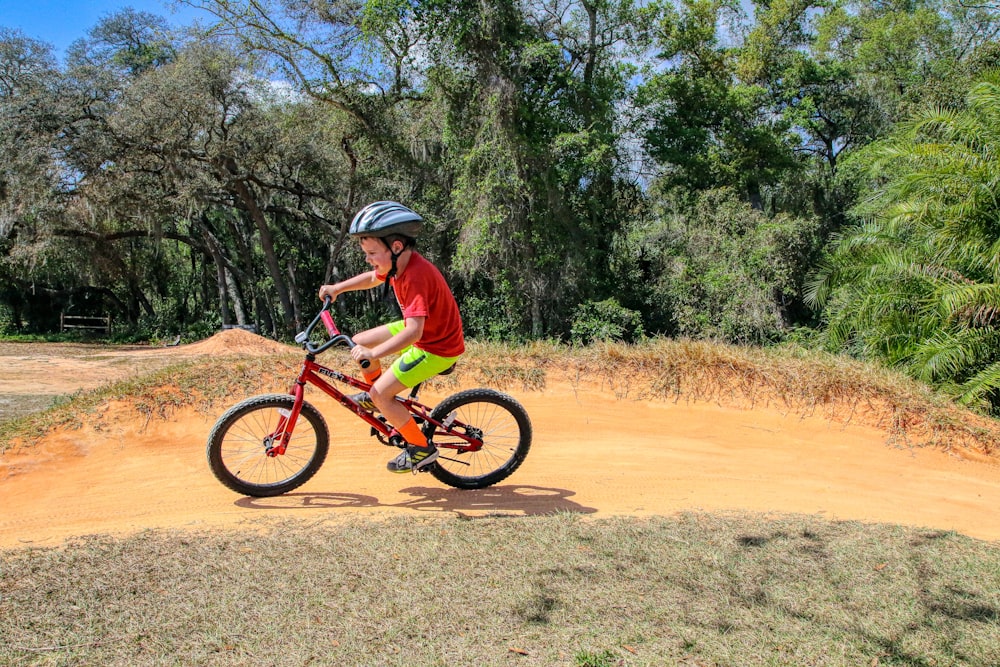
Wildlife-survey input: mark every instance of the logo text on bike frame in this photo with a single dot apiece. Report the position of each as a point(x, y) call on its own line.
point(336, 375)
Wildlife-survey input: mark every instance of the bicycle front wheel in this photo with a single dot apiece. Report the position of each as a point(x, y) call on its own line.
point(498, 420)
point(241, 448)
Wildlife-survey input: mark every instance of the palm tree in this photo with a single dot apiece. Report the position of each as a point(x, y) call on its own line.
point(917, 282)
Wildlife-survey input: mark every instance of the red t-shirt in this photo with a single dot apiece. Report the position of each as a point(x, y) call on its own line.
point(422, 292)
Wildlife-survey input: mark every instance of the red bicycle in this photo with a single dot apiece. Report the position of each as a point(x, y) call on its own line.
point(271, 444)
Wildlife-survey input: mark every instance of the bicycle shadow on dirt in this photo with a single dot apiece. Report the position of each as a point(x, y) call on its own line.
point(504, 500)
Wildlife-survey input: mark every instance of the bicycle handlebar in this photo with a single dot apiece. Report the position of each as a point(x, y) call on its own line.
point(335, 336)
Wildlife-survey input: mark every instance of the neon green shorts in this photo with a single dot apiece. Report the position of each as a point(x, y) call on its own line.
point(415, 365)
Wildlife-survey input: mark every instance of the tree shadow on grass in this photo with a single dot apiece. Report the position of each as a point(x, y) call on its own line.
point(505, 500)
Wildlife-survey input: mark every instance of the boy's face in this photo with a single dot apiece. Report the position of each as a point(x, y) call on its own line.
point(377, 254)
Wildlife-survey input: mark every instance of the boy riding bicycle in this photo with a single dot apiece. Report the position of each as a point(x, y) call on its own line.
point(429, 336)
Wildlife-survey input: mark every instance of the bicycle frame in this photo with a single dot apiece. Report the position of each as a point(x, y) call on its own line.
point(468, 439)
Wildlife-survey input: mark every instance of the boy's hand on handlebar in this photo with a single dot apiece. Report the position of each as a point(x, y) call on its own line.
point(361, 353)
point(327, 292)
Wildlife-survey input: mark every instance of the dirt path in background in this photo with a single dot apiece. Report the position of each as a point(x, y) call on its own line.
point(591, 454)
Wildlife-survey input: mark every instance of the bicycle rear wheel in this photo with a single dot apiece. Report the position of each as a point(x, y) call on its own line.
point(240, 447)
point(499, 420)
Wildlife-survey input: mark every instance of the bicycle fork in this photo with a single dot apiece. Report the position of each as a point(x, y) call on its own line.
point(276, 442)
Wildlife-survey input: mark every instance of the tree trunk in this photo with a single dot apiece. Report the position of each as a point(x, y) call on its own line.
point(293, 294)
point(234, 294)
point(264, 315)
point(220, 282)
point(246, 195)
point(270, 256)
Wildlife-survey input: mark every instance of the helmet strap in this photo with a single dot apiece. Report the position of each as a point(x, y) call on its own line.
point(386, 287)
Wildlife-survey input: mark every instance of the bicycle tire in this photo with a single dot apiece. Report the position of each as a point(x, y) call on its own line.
point(505, 430)
point(237, 449)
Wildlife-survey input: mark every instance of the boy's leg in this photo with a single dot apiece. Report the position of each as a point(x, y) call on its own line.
point(383, 394)
point(418, 452)
point(411, 368)
point(371, 338)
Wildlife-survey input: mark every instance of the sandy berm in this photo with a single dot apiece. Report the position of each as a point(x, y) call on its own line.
point(594, 452)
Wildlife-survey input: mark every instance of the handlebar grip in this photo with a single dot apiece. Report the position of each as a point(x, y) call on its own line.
point(328, 321)
point(365, 363)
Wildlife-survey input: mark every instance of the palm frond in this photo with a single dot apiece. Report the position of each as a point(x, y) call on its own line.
point(972, 305)
point(948, 354)
point(982, 388)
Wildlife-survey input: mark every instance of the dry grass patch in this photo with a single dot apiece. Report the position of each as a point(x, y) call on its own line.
point(792, 379)
point(549, 590)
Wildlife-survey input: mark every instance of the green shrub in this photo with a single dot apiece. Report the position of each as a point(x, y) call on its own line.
point(724, 270)
point(605, 320)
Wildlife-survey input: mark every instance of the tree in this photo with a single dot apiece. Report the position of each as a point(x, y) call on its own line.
point(701, 124)
point(359, 62)
point(27, 89)
point(355, 58)
point(842, 73)
point(532, 95)
point(126, 43)
point(916, 283)
point(256, 168)
point(186, 147)
point(29, 176)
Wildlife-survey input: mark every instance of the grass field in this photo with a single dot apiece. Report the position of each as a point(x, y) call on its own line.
point(554, 590)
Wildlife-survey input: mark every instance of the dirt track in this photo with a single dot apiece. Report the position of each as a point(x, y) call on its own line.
point(592, 454)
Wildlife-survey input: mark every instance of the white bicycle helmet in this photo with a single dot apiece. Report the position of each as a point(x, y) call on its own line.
point(385, 218)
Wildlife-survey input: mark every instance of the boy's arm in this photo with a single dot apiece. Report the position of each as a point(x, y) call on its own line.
point(413, 329)
point(366, 280)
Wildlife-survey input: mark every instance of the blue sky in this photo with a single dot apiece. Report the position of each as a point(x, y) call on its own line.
point(61, 22)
